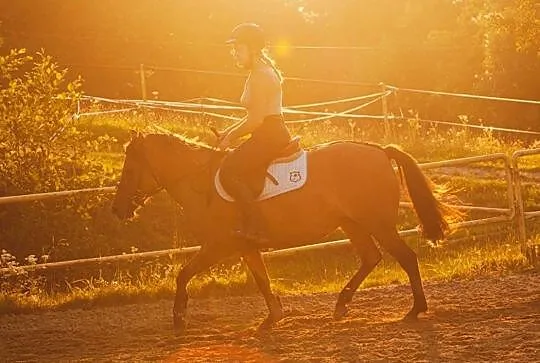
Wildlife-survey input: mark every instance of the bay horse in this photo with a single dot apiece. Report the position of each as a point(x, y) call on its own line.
point(350, 185)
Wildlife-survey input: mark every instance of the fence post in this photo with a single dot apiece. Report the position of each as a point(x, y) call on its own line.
point(202, 118)
point(528, 246)
point(520, 215)
point(387, 128)
point(143, 81)
point(520, 209)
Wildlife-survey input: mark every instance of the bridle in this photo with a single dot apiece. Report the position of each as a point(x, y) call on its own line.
point(139, 196)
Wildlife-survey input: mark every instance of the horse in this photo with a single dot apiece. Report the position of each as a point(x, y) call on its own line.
point(351, 185)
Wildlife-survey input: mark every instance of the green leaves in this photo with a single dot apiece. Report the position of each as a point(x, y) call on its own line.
point(511, 33)
point(38, 132)
point(43, 149)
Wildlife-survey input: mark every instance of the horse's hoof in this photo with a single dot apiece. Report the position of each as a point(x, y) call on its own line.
point(270, 321)
point(340, 312)
point(266, 325)
point(417, 308)
point(412, 315)
point(179, 323)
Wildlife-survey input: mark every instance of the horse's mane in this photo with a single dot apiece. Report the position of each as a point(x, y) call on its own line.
point(192, 143)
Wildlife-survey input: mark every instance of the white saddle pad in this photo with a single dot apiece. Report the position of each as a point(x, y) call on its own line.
point(290, 175)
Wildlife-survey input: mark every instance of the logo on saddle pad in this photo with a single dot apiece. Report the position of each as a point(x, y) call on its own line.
point(295, 176)
point(288, 174)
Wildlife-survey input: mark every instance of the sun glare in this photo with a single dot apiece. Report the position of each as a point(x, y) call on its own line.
point(282, 48)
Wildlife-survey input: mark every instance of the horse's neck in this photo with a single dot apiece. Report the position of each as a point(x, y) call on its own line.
point(174, 162)
point(194, 189)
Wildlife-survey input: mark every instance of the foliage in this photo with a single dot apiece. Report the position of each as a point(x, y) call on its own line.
point(42, 150)
point(511, 41)
point(16, 281)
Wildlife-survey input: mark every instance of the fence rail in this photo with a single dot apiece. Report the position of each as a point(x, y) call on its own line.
point(42, 196)
point(514, 212)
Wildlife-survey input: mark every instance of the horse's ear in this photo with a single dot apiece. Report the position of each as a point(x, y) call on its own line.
point(134, 134)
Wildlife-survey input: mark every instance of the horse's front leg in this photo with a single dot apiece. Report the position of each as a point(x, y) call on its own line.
point(258, 269)
point(204, 259)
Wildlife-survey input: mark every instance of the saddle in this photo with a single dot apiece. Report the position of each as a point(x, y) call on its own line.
point(288, 153)
point(283, 173)
point(290, 150)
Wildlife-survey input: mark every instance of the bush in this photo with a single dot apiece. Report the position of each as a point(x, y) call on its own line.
point(41, 146)
point(43, 150)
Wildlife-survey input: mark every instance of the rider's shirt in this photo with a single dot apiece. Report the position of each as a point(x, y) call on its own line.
point(266, 100)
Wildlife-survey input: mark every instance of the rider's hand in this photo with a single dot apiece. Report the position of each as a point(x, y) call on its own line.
point(224, 143)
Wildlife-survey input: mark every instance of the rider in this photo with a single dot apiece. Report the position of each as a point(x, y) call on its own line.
point(262, 98)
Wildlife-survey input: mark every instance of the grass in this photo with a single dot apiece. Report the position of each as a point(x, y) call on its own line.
point(316, 272)
point(311, 272)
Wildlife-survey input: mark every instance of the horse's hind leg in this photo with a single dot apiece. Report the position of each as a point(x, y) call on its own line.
point(257, 267)
point(370, 256)
point(390, 240)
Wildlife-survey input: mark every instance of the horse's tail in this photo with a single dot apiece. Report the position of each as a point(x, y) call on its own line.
point(434, 215)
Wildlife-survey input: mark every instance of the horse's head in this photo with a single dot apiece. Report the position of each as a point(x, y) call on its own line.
point(137, 182)
point(155, 162)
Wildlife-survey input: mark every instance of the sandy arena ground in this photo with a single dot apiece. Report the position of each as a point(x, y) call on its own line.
point(489, 319)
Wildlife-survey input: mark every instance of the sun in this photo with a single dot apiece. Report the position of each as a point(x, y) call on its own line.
point(282, 48)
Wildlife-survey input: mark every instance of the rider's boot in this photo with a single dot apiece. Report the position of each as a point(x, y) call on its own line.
point(253, 224)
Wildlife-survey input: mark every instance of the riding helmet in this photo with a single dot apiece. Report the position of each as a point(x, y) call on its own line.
point(249, 34)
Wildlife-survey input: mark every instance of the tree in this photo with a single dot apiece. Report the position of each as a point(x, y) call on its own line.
point(510, 44)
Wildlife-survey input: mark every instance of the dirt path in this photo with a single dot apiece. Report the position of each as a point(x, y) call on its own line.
point(488, 319)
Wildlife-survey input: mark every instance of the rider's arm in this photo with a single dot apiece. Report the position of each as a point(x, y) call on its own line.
point(233, 126)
